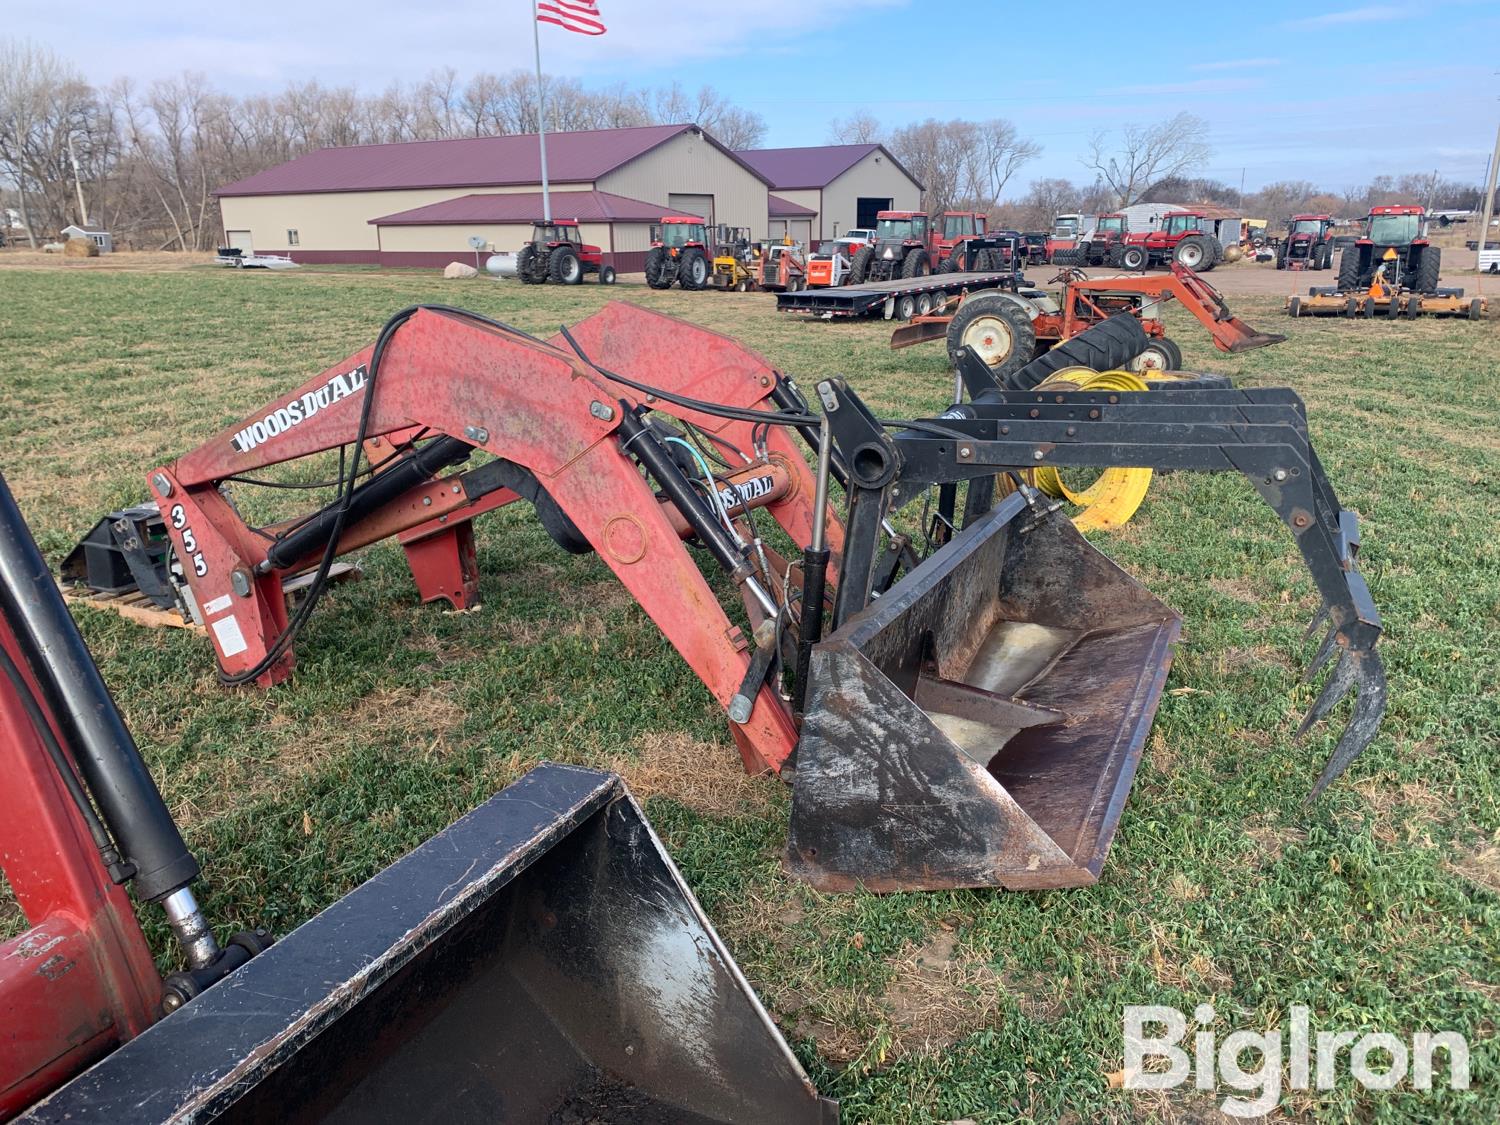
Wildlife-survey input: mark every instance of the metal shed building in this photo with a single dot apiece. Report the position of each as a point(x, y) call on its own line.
point(843, 185)
point(374, 203)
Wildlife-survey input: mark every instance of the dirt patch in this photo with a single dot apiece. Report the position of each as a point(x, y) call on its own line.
point(1238, 589)
point(707, 778)
point(1189, 973)
point(1481, 867)
point(1271, 838)
point(1402, 813)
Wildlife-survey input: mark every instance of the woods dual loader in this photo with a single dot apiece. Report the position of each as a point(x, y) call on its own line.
point(958, 699)
point(538, 961)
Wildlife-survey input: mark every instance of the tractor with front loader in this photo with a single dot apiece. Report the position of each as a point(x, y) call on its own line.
point(541, 959)
point(680, 253)
point(1308, 244)
point(957, 702)
point(558, 253)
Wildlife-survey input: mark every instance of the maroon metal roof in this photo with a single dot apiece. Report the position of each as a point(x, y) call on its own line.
point(790, 169)
point(572, 158)
point(786, 209)
point(526, 207)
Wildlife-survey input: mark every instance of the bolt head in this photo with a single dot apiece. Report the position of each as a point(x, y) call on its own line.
point(239, 582)
point(1037, 455)
point(1279, 474)
point(965, 451)
point(602, 411)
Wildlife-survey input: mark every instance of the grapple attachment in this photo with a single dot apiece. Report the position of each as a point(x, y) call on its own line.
point(980, 724)
point(539, 961)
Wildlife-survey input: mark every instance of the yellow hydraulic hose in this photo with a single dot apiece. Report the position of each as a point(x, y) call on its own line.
point(1114, 497)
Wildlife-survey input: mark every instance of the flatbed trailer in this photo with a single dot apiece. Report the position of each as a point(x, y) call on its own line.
point(890, 298)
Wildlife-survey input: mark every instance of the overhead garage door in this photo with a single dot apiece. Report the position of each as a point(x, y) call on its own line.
point(700, 205)
point(240, 239)
point(867, 207)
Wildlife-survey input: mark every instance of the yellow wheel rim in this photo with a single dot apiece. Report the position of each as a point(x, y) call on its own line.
point(1116, 493)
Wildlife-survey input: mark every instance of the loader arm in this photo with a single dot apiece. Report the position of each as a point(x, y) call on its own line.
point(1229, 332)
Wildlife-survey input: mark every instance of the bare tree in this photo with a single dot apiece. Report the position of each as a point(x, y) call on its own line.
point(859, 128)
point(961, 163)
point(1146, 154)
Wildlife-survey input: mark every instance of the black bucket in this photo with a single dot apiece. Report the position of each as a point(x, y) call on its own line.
point(980, 724)
point(539, 961)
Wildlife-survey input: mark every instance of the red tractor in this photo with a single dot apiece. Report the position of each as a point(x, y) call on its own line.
point(1104, 245)
point(901, 249)
point(1184, 237)
point(1308, 244)
point(679, 252)
point(954, 228)
point(558, 253)
point(1394, 245)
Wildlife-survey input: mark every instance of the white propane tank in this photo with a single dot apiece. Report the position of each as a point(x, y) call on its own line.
point(501, 265)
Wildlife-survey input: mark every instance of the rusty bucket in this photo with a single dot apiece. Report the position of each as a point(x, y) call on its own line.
point(980, 724)
point(539, 961)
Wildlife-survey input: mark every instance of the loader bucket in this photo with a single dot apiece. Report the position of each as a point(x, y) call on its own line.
point(539, 961)
point(981, 723)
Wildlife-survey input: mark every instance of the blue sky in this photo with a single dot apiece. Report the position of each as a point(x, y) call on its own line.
point(1334, 95)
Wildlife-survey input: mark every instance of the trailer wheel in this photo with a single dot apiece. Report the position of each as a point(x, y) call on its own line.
point(1161, 354)
point(1476, 308)
point(1294, 307)
point(1133, 257)
point(998, 330)
point(924, 303)
point(606, 275)
point(916, 264)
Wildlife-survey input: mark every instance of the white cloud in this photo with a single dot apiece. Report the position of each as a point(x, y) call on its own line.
point(1374, 13)
point(1236, 64)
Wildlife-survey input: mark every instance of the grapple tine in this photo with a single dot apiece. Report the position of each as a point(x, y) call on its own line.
point(1321, 658)
point(1318, 621)
point(1334, 689)
point(1369, 708)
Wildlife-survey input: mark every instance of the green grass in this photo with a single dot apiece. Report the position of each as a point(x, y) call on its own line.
point(1377, 907)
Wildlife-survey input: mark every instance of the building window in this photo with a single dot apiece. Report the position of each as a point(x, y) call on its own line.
point(292, 239)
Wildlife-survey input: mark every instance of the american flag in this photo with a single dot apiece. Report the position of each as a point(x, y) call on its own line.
point(581, 16)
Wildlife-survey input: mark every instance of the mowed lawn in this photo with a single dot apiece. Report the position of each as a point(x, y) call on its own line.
point(1378, 908)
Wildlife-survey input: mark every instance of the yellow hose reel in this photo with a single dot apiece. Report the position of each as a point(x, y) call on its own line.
point(1116, 493)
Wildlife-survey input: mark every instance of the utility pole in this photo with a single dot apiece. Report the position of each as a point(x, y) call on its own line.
point(1489, 202)
point(83, 211)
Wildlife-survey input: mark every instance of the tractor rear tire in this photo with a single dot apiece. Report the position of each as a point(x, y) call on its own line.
point(1281, 258)
point(859, 268)
point(526, 266)
point(916, 264)
point(951, 263)
point(1134, 258)
point(1194, 253)
point(659, 272)
point(1349, 272)
point(692, 270)
point(1106, 346)
point(1428, 267)
point(997, 328)
point(1067, 257)
point(1161, 354)
point(564, 267)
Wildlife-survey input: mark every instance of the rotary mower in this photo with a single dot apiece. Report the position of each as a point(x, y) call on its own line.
point(959, 704)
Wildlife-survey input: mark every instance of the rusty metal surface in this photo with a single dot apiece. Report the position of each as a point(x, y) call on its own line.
point(540, 950)
point(981, 724)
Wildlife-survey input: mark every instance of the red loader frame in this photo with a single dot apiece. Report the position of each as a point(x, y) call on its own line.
point(538, 407)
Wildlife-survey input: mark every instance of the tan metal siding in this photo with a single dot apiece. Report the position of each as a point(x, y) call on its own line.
point(689, 165)
point(873, 175)
point(338, 220)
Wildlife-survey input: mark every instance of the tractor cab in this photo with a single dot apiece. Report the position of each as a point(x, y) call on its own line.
point(1305, 227)
point(1111, 224)
point(901, 226)
point(1308, 243)
point(679, 232)
point(1395, 226)
point(556, 233)
point(1181, 222)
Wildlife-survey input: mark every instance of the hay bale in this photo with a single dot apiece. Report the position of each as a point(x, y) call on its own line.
point(80, 248)
point(458, 269)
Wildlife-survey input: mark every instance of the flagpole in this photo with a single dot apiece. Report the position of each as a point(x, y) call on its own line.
point(541, 110)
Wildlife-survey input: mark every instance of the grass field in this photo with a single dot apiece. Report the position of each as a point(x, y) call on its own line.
point(1379, 907)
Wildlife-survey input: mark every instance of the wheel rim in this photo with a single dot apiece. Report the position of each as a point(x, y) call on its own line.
point(991, 338)
point(1152, 359)
point(1191, 256)
point(699, 271)
point(904, 308)
point(572, 271)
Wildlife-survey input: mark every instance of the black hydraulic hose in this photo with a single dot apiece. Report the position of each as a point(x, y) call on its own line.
point(408, 473)
point(75, 693)
point(788, 398)
point(810, 630)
